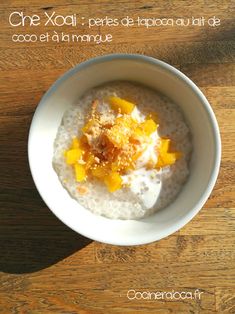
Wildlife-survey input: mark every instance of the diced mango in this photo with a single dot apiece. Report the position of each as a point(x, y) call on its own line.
point(89, 159)
point(136, 155)
point(113, 181)
point(100, 171)
point(126, 160)
point(89, 125)
point(73, 155)
point(138, 132)
point(119, 165)
point(116, 137)
point(137, 135)
point(166, 158)
point(120, 132)
point(123, 105)
point(115, 166)
point(75, 143)
point(126, 121)
point(148, 126)
point(164, 145)
point(80, 172)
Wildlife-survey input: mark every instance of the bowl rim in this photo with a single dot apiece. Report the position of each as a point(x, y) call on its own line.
point(203, 100)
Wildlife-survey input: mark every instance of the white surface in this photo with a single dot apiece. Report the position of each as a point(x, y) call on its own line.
point(158, 75)
point(144, 186)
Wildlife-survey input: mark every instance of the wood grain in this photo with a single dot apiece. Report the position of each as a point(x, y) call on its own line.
point(46, 267)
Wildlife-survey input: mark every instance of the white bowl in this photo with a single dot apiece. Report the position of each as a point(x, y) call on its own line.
point(151, 72)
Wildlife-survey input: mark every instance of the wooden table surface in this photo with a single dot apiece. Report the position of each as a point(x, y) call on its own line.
point(46, 267)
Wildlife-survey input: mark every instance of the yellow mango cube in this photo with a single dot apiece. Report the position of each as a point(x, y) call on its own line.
point(126, 121)
point(100, 171)
point(120, 132)
point(73, 155)
point(115, 166)
point(89, 125)
point(122, 165)
point(148, 126)
point(138, 132)
point(75, 142)
point(80, 172)
point(166, 158)
point(123, 105)
point(165, 145)
point(113, 181)
point(117, 136)
point(89, 159)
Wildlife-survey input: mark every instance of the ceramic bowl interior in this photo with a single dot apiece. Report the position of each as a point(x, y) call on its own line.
point(158, 75)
